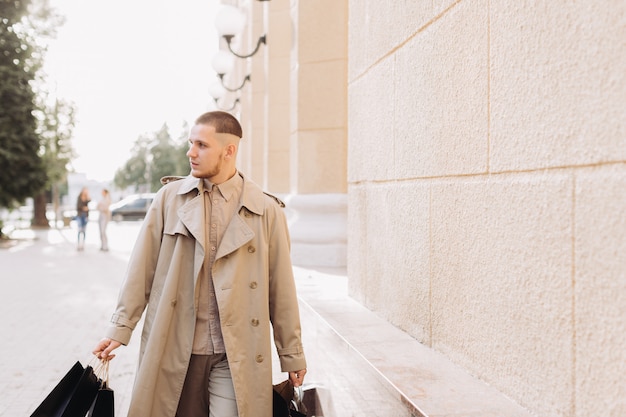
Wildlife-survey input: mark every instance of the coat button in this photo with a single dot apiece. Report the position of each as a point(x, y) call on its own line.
point(251, 249)
point(253, 284)
point(254, 322)
point(259, 358)
point(173, 303)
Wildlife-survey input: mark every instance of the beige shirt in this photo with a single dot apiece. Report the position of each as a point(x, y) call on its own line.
point(220, 204)
point(104, 206)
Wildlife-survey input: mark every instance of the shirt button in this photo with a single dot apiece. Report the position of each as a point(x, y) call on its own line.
point(214, 225)
point(214, 201)
point(213, 248)
point(259, 358)
point(253, 284)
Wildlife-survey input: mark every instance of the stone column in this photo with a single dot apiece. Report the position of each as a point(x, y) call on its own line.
point(318, 150)
point(278, 98)
point(319, 96)
point(294, 115)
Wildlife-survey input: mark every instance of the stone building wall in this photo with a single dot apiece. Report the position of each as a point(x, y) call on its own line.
point(487, 179)
point(480, 150)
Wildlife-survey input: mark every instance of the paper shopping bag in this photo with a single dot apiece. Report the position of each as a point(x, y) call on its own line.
point(72, 396)
point(103, 405)
point(285, 402)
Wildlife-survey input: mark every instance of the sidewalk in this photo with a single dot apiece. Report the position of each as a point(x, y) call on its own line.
point(57, 302)
point(56, 305)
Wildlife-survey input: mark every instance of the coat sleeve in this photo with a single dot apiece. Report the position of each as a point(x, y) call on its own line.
point(135, 291)
point(284, 312)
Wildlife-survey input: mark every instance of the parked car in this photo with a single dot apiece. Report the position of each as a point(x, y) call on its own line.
point(133, 207)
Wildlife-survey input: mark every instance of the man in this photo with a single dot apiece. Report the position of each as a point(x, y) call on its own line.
point(212, 268)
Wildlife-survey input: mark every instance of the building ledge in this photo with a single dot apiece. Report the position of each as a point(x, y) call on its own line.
point(359, 364)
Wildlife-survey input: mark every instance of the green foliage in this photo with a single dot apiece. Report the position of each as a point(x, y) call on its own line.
point(133, 173)
point(22, 166)
point(55, 128)
point(152, 157)
point(180, 153)
point(56, 121)
point(13, 10)
point(162, 161)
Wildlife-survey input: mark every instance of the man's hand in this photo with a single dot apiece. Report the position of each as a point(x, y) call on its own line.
point(297, 377)
point(104, 348)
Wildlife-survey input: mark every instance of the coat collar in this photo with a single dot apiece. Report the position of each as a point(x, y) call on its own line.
point(251, 196)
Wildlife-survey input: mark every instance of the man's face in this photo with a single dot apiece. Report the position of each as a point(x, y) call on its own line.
point(205, 152)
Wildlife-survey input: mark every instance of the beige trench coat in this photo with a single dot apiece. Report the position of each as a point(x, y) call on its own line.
point(254, 288)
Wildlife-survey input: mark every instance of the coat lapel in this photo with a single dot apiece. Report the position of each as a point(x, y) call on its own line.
point(237, 234)
point(191, 214)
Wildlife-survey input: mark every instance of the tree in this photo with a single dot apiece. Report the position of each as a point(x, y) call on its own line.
point(152, 157)
point(55, 127)
point(182, 161)
point(23, 172)
point(133, 173)
point(166, 159)
point(55, 117)
point(35, 139)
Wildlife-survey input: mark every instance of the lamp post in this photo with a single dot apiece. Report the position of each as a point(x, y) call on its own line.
point(222, 63)
point(232, 90)
point(229, 21)
point(218, 92)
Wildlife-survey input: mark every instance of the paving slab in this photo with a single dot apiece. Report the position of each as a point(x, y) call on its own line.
point(56, 304)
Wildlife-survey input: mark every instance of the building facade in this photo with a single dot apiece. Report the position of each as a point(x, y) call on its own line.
point(466, 160)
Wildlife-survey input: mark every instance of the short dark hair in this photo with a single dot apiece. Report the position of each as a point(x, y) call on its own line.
point(222, 121)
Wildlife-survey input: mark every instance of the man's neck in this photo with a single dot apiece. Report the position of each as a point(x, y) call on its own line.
point(223, 176)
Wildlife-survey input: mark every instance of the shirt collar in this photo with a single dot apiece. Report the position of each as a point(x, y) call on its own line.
point(251, 194)
point(227, 189)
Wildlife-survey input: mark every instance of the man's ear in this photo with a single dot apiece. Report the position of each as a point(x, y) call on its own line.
point(231, 150)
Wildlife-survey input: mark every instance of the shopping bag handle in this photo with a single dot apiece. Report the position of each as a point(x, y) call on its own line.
point(101, 370)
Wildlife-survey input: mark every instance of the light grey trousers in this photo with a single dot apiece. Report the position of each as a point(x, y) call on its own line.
point(103, 221)
point(208, 389)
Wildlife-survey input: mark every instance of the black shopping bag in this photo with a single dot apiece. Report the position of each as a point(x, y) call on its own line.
point(60, 395)
point(284, 402)
point(103, 405)
point(72, 396)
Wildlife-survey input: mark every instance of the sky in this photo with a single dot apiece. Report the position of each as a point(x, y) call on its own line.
point(129, 66)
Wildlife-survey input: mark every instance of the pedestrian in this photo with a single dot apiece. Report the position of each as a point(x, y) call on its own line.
point(211, 268)
point(104, 215)
point(82, 216)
